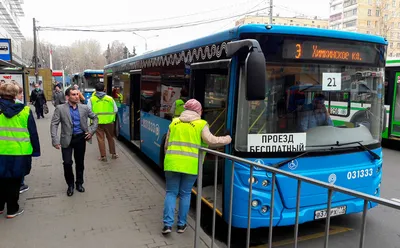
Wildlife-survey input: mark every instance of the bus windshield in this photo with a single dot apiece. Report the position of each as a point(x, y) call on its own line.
point(300, 112)
point(90, 83)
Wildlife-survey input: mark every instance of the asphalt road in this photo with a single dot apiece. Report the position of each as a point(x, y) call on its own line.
point(383, 224)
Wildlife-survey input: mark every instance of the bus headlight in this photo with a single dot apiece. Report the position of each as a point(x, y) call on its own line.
point(253, 180)
point(265, 183)
point(264, 209)
point(254, 203)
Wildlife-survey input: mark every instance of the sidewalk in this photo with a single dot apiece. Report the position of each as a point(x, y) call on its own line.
point(122, 207)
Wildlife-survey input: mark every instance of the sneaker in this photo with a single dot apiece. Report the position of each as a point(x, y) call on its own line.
point(19, 212)
point(166, 230)
point(182, 229)
point(103, 159)
point(23, 188)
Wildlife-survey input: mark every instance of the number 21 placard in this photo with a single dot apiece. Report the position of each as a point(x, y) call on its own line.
point(331, 81)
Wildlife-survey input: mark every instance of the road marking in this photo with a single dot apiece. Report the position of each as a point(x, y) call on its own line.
point(395, 199)
point(334, 230)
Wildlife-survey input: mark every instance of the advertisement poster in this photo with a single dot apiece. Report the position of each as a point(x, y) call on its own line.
point(32, 81)
point(169, 96)
point(11, 78)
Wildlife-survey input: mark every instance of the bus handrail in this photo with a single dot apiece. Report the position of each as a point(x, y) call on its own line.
point(300, 179)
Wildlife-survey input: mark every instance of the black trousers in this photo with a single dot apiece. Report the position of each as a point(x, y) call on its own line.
point(9, 194)
point(39, 109)
point(78, 148)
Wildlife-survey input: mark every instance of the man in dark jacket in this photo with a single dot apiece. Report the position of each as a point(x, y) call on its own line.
point(38, 99)
point(19, 141)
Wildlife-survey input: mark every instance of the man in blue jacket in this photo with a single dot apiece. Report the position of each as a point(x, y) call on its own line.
point(19, 141)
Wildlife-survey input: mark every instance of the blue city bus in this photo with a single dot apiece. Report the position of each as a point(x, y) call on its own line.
point(87, 80)
point(246, 79)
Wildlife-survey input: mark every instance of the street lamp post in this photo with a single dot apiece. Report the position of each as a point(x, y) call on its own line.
point(145, 39)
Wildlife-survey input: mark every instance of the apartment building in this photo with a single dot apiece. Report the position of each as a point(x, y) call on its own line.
point(10, 12)
point(289, 21)
point(378, 17)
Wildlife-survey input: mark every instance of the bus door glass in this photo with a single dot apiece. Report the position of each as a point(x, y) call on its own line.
point(135, 80)
point(210, 87)
point(396, 106)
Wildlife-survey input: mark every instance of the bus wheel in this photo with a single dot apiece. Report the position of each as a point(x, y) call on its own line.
point(162, 153)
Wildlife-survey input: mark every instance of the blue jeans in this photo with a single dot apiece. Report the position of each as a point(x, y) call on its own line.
point(177, 184)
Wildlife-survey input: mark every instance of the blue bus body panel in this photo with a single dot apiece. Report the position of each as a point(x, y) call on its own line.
point(234, 33)
point(152, 130)
point(87, 95)
point(312, 197)
point(212, 39)
point(308, 31)
point(124, 121)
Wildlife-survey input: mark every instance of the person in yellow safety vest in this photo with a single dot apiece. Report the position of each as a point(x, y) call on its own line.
point(19, 141)
point(177, 107)
point(185, 135)
point(105, 108)
point(117, 96)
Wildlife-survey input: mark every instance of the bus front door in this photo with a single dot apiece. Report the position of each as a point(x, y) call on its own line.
point(210, 86)
point(135, 79)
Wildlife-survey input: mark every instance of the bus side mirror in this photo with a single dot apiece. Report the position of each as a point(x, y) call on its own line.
point(255, 76)
point(255, 67)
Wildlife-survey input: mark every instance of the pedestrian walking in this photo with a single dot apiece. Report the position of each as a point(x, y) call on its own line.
point(38, 99)
point(58, 96)
point(19, 141)
point(185, 135)
point(105, 108)
point(75, 132)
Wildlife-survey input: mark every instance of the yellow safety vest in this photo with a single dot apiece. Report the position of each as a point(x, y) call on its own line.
point(14, 134)
point(183, 146)
point(103, 108)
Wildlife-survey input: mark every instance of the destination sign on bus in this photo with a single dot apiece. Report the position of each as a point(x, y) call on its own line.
point(93, 75)
point(329, 51)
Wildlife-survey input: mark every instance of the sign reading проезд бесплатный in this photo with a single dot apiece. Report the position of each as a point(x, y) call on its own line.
point(276, 142)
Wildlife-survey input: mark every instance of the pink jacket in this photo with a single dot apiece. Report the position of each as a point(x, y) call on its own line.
point(206, 135)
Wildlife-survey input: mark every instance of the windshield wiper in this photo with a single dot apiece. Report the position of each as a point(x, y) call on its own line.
point(373, 154)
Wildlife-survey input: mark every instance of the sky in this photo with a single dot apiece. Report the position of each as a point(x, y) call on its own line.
point(150, 13)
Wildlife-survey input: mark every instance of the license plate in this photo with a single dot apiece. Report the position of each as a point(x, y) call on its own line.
point(321, 214)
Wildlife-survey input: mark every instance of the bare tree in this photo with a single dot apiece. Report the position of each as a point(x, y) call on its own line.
point(386, 13)
point(117, 51)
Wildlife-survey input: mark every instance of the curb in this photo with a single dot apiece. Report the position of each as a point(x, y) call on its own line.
point(190, 221)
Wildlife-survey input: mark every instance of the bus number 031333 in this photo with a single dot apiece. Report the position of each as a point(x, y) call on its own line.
point(360, 174)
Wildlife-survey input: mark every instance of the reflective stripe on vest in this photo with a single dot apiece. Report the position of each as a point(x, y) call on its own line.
point(179, 107)
point(14, 134)
point(183, 146)
point(103, 108)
